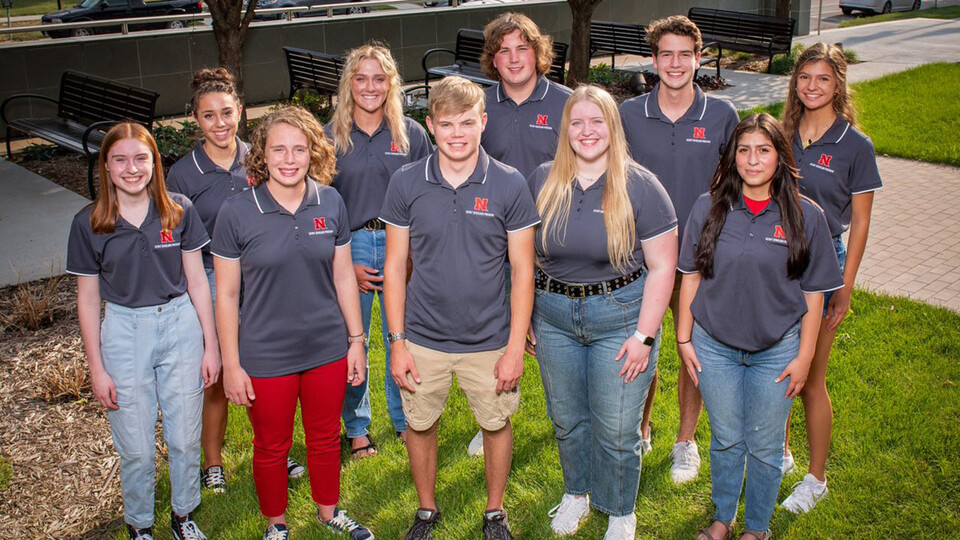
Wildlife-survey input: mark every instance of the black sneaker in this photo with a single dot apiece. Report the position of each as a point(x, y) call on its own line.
point(276, 532)
point(423, 523)
point(495, 525)
point(184, 528)
point(342, 523)
point(213, 479)
point(140, 534)
point(294, 469)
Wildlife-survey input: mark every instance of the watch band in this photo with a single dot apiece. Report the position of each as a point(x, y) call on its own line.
point(391, 337)
point(643, 338)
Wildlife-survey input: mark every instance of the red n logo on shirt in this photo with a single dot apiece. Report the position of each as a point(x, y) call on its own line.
point(394, 147)
point(480, 205)
point(166, 237)
point(319, 223)
point(542, 119)
point(699, 133)
point(778, 232)
point(824, 160)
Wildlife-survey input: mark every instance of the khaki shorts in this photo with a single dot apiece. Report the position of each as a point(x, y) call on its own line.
point(474, 372)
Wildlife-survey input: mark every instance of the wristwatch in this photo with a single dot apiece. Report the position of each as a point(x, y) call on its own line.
point(643, 338)
point(391, 337)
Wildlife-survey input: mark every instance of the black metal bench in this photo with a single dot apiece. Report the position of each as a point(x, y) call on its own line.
point(316, 70)
point(618, 38)
point(86, 108)
point(466, 60)
point(744, 32)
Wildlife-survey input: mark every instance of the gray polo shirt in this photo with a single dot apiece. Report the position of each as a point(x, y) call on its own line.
point(456, 298)
point(683, 154)
point(525, 135)
point(138, 267)
point(207, 185)
point(834, 169)
point(750, 303)
point(581, 256)
point(364, 173)
point(291, 318)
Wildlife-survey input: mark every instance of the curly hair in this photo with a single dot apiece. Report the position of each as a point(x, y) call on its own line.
point(842, 103)
point(506, 23)
point(674, 24)
point(322, 158)
point(212, 81)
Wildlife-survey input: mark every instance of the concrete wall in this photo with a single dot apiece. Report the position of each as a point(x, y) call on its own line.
point(165, 61)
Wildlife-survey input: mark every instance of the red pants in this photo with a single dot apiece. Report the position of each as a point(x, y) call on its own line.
point(320, 391)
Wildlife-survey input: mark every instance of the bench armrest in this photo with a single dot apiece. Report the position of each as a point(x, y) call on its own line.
point(426, 55)
point(3, 106)
point(90, 129)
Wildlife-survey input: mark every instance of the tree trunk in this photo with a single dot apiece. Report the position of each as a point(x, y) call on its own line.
point(783, 9)
point(579, 52)
point(230, 24)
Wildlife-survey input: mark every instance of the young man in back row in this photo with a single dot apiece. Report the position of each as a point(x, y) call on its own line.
point(459, 214)
point(679, 133)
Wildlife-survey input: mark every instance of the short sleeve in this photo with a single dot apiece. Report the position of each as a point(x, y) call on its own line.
point(173, 179)
point(691, 235)
point(81, 256)
point(537, 178)
point(420, 145)
point(731, 121)
point(657, 215)
point(864, 174)
point(226, 234)
point(823, 271)
point(396, 209)
point(194, 235)
point(521, 212)
point(343, 223)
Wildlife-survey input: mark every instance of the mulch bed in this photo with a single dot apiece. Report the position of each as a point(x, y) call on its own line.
point(66, 169)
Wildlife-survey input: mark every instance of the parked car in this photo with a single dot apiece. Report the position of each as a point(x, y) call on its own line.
point(872, 7)
point(98, 10)
point(271, 4)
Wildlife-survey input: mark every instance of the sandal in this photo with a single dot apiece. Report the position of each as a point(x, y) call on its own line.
point(704, 533)
point(362, 452)
point(400, 436)
point(756, 535)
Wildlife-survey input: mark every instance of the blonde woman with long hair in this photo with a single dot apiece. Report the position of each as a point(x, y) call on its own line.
point(372, 139)
point(606, 256)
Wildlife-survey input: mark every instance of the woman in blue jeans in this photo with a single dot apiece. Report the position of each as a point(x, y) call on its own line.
point(606, 249)
point(372, 139)
point(757, 258)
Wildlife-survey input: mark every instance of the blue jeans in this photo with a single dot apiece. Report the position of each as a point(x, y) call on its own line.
point(369, 248)
point(153, 354)
point(748, 415)
point(596, 415)
point(842, 258)
point(213, 285)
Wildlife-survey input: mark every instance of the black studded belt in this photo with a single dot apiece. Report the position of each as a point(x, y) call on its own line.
point(581, 290)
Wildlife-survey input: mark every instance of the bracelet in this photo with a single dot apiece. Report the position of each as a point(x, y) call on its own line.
point(359, 338)
point(684, 342)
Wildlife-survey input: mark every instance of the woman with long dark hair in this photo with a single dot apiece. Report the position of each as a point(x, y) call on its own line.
point(838, 170)
point(756, 258)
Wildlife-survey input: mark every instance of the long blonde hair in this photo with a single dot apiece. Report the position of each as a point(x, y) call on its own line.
point(392, 105)
point(553, 203)
point(793, 109)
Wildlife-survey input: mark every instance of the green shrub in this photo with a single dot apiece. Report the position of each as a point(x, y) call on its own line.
point(174, 142)
point(319, 106)
point(6, 473)
point(783, 63)
point(38, 152)
point(605, 76)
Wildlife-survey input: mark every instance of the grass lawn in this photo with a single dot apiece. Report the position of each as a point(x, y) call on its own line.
point(37, 7)
point(951, 12)
point(897, 112)
point(894, 470)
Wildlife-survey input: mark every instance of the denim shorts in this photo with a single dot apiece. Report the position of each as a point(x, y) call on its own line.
point(842, 258)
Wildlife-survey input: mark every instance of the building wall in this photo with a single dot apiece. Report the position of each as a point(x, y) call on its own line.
point(165, 61)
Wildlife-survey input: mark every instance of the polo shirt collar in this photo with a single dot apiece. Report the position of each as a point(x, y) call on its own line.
point(596, 185)
point(539, 91)
point(152, 214)
point(696, 112)
point(362, 133)
point(268, 205)
point(205, 165)
point(433, 174)
point(771, 207)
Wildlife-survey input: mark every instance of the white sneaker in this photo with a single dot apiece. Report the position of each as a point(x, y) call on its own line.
point(646, 446)
point(569, 513)
point(621, 528)
point(788, 463)
point(476, 445)
point(805, 495)
point(686, 462)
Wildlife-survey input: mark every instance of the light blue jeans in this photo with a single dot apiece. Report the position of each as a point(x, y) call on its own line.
point(369, 248)
point(153, 354)
point(596, 415)
point(748, 413)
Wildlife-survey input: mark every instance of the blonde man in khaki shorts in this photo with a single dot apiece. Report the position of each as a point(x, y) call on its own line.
point(460, 215)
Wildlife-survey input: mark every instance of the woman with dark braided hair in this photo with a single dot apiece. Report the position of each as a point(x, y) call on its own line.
point(756, 259)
